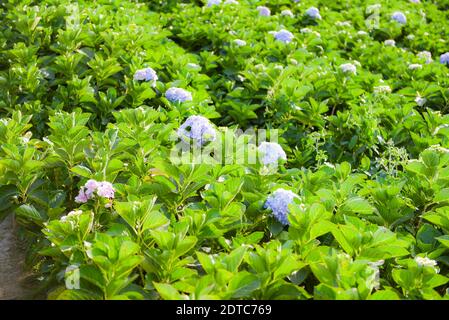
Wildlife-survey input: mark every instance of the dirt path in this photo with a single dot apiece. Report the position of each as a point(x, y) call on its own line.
point(11, 263)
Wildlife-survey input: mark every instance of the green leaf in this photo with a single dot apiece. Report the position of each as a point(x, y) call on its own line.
point(441, 196)
point(167, 291)
point(82, 171)
point(356, 205)
point(29, 212)
point(384, 295)
point(444, 240)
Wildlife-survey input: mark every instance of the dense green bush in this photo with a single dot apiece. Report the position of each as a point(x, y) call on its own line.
point(367, 152)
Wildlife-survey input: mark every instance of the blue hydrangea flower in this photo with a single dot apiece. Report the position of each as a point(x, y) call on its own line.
point(211, 3)
point(146, 74)
point(283, 36)
point(197, 128)
point(264, 11)
point(399, 17)
point(278, 203)
point(178, 95)
point(313, 13)
point(271, 153)
point(444, 58)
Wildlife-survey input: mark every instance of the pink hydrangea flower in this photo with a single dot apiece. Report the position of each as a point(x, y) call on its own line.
point(105, 190)
point(91, 186)
point(81, 197)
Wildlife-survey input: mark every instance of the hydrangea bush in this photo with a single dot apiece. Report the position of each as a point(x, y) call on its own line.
point(355, 203)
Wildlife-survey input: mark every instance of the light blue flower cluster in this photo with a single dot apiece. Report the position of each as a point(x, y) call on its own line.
point(271, 153)
point(313, 13)
point(399, 17)
point(444, 58)
point(278, 203)
point(239, 42)
point(348, 68)
point(211, 3)
point(178, 95)
point(264, 11)
point(283, 36)
point(146, 74)
point(197, 129)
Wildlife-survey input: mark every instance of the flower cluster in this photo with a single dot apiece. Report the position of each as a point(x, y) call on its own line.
point(348, 68)
point(278, 203)
point(444, 58)
point(271, 153)
point(420, 101)
point(103, 189)
point(239, 42)
point(313, 13)
point(146, 74)
point(283, 36)
point(287, 13)
point(390, 42)
point(399, 17)
point(264, 11)
point(425, 262)
point(178, 95)
point(73, 213)
point(425, 55)
point(414, 66)
point(211, 3)
point(197, 129)
point(382, 89)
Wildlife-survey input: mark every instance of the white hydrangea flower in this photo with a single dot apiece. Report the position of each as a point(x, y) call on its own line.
point(362, 33)
point(420, 101)
point(373, 8)
point(197, 128)
point(414, 66)
point(278, 203)
point(271, 153)
point(343, 23)
point(313, 13)
point(425, 55)
point(287, 13)
point(382, 89)
point(72, 213)
point(390, 42)
point(375, 266)
point(425, 262)
point(348, 68)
